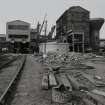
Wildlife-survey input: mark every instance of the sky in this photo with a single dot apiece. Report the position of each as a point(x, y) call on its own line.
point(33, 11)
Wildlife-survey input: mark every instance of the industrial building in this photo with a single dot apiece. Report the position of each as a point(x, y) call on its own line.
point(77, 29)
point(18, 36)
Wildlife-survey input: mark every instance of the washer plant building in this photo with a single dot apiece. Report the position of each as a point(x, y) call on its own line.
point(76, 28)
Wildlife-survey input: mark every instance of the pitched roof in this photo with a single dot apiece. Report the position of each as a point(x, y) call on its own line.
point(18, 21)
point(77, 9)
point(74, 9)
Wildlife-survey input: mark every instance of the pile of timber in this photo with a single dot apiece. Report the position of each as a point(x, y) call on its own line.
point(48, 80)
point(66, 88)
point(71, 81)
point(84, 82)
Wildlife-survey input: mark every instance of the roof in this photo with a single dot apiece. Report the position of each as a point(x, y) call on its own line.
point(77, 9)
point(74, 9)
point(95, 19)
point(18, 21)
point(96, 23)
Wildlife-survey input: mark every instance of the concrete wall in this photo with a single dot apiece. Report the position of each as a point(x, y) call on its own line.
point(54, 46)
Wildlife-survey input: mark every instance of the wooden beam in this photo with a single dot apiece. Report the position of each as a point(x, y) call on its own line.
point(66, 82)
point(99, 99)
point(45, 84)
point(87, 102)
point(52, 80)
point(98, 92)
point(73, 82)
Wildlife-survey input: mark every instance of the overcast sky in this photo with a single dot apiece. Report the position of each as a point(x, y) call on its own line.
point(33, 11)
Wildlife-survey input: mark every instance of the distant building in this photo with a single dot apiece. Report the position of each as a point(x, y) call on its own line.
point(3, 43)
point(102, 44)
point(18, 35)
point(76, 28)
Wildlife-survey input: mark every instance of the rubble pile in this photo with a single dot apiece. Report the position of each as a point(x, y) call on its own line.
point(68, 83)
point(67, 60)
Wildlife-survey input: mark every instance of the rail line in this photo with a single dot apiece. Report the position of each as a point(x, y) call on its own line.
point(6, 59)
point(7, 94)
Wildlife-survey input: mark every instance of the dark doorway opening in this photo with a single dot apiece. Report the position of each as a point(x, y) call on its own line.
point(19, 47)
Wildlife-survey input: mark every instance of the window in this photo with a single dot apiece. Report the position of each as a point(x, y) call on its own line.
point(18, 27)
point(18, 36)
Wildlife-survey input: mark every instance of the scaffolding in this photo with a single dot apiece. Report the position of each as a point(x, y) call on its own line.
point(76, 41)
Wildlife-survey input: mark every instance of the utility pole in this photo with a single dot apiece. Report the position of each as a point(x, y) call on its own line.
point(38, 34)
point(45, 37)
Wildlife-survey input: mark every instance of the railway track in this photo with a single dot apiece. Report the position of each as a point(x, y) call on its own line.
point(6, 59)
point(9, 77)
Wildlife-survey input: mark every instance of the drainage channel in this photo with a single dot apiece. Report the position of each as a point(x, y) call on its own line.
point(6, 97)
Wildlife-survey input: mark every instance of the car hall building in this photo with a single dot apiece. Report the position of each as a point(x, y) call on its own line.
point(18, 36)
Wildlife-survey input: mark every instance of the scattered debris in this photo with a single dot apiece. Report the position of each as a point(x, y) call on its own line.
point(68, 80)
